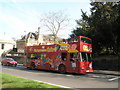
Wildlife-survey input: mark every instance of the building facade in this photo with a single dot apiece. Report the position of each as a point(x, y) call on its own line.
point(29, 39)
point(36, 38)
point(6, 44)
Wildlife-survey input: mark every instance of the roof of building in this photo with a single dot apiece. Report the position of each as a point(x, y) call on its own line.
point(29, 36)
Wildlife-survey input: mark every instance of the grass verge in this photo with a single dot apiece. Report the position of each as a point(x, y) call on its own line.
point(10, 81)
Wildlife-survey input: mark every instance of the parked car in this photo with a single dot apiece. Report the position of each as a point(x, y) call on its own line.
point(9, 62)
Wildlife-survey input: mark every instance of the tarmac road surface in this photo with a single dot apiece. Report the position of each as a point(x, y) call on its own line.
point(67, 80)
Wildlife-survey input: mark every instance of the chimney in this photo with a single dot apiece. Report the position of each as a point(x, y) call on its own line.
point(38, 34)
point(38, 30)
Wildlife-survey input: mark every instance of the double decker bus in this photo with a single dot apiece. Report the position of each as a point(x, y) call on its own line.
point(73, 56)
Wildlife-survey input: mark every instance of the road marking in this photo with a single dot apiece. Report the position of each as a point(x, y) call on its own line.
point(58, 74)
point(53, 84)
point(69, 75)
point(113, 78)
point(95, 76)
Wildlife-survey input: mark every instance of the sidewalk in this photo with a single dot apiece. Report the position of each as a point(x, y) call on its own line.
point(19, 64)
point(106, 72)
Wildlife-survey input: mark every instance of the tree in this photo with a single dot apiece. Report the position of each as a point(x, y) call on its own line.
point(104, 15)
point(54, 22)
point(102, 26)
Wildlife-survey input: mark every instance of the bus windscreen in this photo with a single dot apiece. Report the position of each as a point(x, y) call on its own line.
point(85, 57)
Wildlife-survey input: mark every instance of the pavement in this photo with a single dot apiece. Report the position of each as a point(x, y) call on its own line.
point(107, 72)
point(101, 72)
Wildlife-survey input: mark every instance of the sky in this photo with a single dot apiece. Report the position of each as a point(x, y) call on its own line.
point(18, 17)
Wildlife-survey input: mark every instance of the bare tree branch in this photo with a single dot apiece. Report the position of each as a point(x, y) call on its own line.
point(55, 21)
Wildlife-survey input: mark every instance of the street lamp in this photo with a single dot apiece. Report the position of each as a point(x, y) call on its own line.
point(25, 38)
point(25, 46)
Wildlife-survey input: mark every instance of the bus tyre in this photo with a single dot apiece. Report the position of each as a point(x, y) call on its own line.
point(62, 69)
point(32, 65)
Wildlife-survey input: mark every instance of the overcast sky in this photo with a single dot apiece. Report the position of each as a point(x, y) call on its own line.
point(17, 16)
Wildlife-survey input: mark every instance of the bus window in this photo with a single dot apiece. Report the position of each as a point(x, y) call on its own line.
point(40, 56)
point(85, 56)
point(73, 59)
point(31, 56)
point(28, 56)
point(64, 56)
point(76, 40)
point(73, 40)
point(73, 55)
point(85, 40)
point(89, 57)
point(43, 56)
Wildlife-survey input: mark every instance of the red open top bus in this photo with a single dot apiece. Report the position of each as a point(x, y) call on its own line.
point(74, 56)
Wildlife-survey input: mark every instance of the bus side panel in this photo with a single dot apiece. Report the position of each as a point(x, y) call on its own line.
point(49, 61)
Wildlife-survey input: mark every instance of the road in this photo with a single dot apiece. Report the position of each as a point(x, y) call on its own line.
point(68, 80)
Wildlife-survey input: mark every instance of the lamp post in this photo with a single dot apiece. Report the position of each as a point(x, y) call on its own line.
point(38, 41)
point(24, 47)
point(25, 38)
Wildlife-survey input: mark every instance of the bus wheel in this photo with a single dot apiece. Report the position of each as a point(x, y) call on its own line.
point(32, 65)
point(62, 69)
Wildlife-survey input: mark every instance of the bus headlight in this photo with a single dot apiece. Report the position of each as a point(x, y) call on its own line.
point(90, 65)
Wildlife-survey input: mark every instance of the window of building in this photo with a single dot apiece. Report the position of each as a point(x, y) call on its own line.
point(2, 46)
